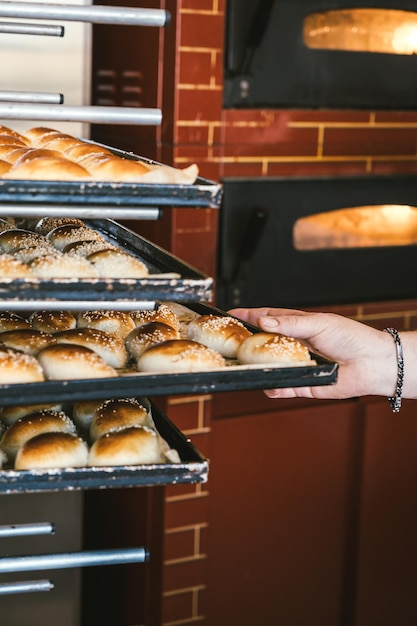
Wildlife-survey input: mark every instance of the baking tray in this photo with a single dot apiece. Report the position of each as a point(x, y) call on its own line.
point(27, 293)
point(121, 196)
point(229, 378)
point(193, 468)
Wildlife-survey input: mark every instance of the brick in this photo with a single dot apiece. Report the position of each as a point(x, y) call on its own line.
point(178, 607)
point(396, 117)
point(197, 249)
point(202, 30)
point(179, 545)
point(185, 416)
point(199, 104)
point(184, 575)
point(195, 67)
point(296, 140)
point(186, 512)
point(241, 169)
point(181, 491)
point(369, 141)
point(317, 168)
point(388, 166)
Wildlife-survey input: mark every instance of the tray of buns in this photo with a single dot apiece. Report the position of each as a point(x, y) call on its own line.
point(174, 348)
point(44, 166)
point(61, 262)
point(112, 443)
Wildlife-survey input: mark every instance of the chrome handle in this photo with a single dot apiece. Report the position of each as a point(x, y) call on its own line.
point(26, 530)
point(72, 559)
point(29, 586)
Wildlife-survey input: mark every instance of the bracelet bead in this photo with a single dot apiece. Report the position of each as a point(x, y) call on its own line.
point(395, 401)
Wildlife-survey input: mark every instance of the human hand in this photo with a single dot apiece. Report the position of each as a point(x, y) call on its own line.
point(366, 356)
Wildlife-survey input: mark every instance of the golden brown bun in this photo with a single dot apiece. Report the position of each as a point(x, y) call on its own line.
point(12, 321)
point(162, 314)
point(27, 254)
point(179, 355)
point(31, 425)
point(9, 414)
point(15, 238)
point(273, 349)
point(131, 446)
point(30, 154)
point(60, 142)
point(8, 150)
point(5, 131)
point(38, 135)
point(66, 361)
point(52, 321)
point(4, 167)
point(27, 340)
point(52, 450)
point(222, 333)
point(147, 335)
point(85, 248)
point(113, 168)
point(48, 168)
point(69, 233)
point(44, 225)
point(18, 367)
point(82, 150)
point(6, 225)
point(59, 265)
point(11, 267)
point(109, 346)
point(83, 411)
point(117, 264)
point(117, 322)
point(116, 415)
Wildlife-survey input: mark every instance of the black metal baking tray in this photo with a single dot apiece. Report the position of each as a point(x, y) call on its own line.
point(229, 378)
point(189, 283)
point(203, 193)
point(193, 468)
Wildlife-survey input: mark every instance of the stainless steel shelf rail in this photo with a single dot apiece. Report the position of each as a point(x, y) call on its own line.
point(26, 530)
point(94, 14)
point(16, 28)
point(37, 97)
point(89, 114)
point(27, 586)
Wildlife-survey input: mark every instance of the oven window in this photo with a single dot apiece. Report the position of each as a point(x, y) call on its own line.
point(357, 227)
point(362, 30)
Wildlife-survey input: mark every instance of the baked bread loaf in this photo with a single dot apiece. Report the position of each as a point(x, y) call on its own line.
point(108, 346)
point(113, 168)
point(117, 264)
point(83, 411)
point(52, 450)
point(48, 168)
point(18, 367)
point(222, 333)
point(27, 254)
point(137, 445)
point(15, 238)
point(26, 340)
point(61, 236)
point(147, 335)
point(12, 321)
point(12, 267)
point(4, 167)
point(44, 225)
point(30, 154)
point(117, 322)
point(179, 355)
point(84, 149)
point(85, 248)
point(162, 313)
point(118, 414)
point(9, 414)
point(64, 361)
point(273, 349)
point(31, 425)
point(52, 321)
point(59, 265)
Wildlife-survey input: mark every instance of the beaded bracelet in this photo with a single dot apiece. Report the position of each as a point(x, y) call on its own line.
point(395, 401)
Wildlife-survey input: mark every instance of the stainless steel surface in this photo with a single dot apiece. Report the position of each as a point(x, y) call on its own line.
point(72, 559)
point(14, 28)
point(92, 14)
point(29, 586)
point(83, 211)
point(75, 305)
point(26, 530)
point(28, 96)
point(84, 114)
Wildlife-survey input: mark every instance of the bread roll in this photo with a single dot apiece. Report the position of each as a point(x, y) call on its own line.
point(131, 446)
point(31, 425)
point(10, 152)
point(5, 131)
point(30, 154)
point(117, 264)
point(179, 355)
point(222, 333)
point(161, 314)
point(110, 347)
point(59, 265)
point(147, 335)
point(15, 238)
point(11, 267)
point(44, 225)
point(39, 135)
point(26, 340)
point(52, 450)
point(113, 168)
point(69, 233)
point(4, 167)
point(18, 367)
point(48, 168)
point(81, 150)
point(52, 321)
point(10, 414)
point(273, 349)
point(85, 248)
point(83, 411)
point(3, 459)
point(118, 414)
point(12, 321)
point(5, 224)
point(61, 142)
point(27, 254)
point(66, 361)
point(117, 322)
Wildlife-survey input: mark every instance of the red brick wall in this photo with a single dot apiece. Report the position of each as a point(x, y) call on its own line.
point(246, 143)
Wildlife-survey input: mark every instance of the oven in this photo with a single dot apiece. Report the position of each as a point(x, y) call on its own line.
point(321, 53)
point(299, 241)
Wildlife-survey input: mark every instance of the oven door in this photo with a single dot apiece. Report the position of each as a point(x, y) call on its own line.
point(260, 263)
